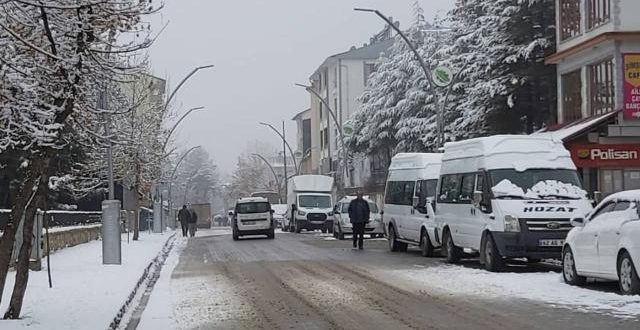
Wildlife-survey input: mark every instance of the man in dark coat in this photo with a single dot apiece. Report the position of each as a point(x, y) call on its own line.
point(184, 216)
point(359, 214)
point(193, 221)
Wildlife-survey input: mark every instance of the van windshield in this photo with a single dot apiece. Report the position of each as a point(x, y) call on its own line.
point(311, 201)
point(538, 183)
point(258, 207)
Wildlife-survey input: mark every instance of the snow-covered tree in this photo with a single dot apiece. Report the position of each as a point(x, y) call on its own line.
point(55, 58)
point(196, 180)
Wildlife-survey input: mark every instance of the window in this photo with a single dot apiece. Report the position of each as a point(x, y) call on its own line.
point(622, 206)
point(321, 140)
point(604, 209)
point(400, 193)
point(468, 187)
point(601, 87)
point(598, 12)
point(320, 106)
point(450, 188)
point(244, 208)
point(369, 68)
point(569, 19)
point(325, 132)
point(317, 201)
point(425, 189)
point(571, 96)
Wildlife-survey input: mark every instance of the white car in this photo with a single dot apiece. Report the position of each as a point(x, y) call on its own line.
point(253, 216)
point(343, 226)
point(279, 211)
point(605, 244)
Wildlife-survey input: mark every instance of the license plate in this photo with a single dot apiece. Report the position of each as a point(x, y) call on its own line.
point(551, 242)
point(249, 223)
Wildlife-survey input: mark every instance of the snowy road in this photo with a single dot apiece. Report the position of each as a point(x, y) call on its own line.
point(311, 281)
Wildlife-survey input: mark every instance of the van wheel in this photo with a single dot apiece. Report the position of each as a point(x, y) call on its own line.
point(426, 248)
point(235, 235)
point(452, 253)
point(394, 245)
point(324, 230)
point(298, 229)
point(569, 272)
point(629, 282)
point(271, 234)
point(492, 259)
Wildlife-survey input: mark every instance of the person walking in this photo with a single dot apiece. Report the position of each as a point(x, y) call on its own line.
point(183, 216)
point(193, 221)
point(359, 214)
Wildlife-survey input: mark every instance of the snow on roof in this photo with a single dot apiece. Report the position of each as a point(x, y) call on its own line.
point(569, 130)
point(414, 160)
point(506, 151)
point(629, 195)
point(252, 200)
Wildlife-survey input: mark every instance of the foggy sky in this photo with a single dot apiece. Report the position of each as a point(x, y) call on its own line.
point(260, 48)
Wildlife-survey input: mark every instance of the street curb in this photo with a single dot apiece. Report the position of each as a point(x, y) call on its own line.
point(148, 279)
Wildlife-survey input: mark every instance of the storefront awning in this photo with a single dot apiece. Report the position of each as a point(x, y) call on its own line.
point(570, 130)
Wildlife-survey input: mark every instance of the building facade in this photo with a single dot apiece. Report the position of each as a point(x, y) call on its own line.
point(598, 72)
point(304, 145)
point(340, 80)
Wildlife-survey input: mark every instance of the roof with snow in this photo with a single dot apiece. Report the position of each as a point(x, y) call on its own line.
point(367, 52)
point(311, 183)
point(629, 195)
point(573, 129)
point(302, 114)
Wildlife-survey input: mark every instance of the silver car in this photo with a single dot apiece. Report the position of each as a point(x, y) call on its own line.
point(342, 224)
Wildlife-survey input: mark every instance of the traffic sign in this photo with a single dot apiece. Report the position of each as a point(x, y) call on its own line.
point(442, 76)
point(347, 130)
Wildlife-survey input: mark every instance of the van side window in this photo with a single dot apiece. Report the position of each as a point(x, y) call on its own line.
point(425, 189)
point(450, 188)
point(399, 192)
point(485, 203)
point(468, 186)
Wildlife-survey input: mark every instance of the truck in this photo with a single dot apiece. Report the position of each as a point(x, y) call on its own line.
point(204, 214)
point(310, 201)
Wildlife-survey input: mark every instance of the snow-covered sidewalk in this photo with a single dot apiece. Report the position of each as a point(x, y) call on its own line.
point(544, 287)
point(86, 294)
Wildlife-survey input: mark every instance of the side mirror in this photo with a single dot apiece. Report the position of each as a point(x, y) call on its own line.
point(477, 198)
point(272, 211)
point(597, 196)
point(416, 201)
point(578, 222)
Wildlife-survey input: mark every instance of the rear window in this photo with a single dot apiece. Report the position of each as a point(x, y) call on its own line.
point(258, 207)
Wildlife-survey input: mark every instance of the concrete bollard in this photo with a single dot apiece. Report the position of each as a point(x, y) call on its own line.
point(111, 238)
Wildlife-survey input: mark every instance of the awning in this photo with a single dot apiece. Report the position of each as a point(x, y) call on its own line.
point(570, 130)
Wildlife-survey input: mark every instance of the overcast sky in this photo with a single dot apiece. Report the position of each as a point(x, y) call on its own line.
point(260, 48)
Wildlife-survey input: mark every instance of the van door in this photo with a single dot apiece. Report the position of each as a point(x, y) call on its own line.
point(480, 215)
point(398, 204)
point(423, 213)
point(468, 221)
point(449, 211)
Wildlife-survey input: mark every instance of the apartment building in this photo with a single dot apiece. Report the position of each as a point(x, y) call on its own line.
point(598, 72)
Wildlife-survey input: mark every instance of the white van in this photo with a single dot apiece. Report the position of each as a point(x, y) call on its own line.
point(507, 196)
point(408, 213)
point(253, 216)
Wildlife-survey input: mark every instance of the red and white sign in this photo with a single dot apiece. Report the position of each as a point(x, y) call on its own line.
point(631, 71)
point(605, 155)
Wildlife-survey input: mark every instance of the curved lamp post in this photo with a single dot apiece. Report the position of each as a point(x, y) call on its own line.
point(423, 65)
point(284, 140)
point(171, 178)
point(275, 175)
point(166, 141)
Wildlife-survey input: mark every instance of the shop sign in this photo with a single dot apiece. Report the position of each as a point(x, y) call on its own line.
point(605, 155)
point(631, 67)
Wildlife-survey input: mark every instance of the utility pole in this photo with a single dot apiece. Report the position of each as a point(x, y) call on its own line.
point(284, 150)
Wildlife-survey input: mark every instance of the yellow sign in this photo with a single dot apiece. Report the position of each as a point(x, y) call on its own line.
point(632, 69)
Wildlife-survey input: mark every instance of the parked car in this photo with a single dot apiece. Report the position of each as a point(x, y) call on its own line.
point(279, 211)
point(506, 197)
point(253, 216)
point(408, 204)
point(342, 224)
point(605, 244)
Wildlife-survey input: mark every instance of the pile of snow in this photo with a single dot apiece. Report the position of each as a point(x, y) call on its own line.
point(548, 288)
point(86, 294)
point(506, 188)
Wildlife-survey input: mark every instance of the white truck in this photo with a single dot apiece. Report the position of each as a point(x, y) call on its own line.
point(309, 203)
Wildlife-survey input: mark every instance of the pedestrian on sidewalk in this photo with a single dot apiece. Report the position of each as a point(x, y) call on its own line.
point(193, 221)
point(359, 214)
point(183, 217)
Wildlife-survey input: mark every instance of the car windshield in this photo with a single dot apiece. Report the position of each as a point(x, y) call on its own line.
point(314, 201)
point(537, 183)
point(257, 207)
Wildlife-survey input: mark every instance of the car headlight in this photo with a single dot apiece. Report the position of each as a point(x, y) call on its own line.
point(302, 213)
point(330, 213)
point(511, 223)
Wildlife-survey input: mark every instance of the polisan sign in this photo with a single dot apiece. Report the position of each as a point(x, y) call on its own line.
point(606, 155)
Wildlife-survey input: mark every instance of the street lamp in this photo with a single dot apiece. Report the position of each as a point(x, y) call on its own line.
point(166, 141)
point(171, 178)
point(335, 120)
point(285, 143)
point(275, 175)
point(423, 65)
point(183, 81)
